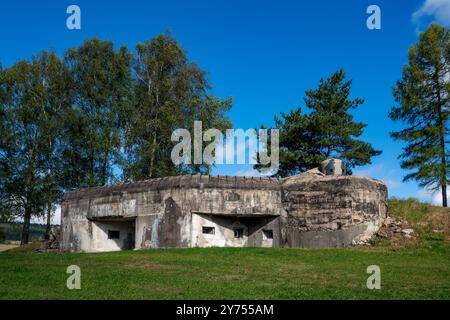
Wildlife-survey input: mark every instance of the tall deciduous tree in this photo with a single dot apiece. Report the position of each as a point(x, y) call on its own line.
point(170, 92)
point(327, 131)
point(423, 98)
point(68, 124)
point(34, 99)
point(102, 84)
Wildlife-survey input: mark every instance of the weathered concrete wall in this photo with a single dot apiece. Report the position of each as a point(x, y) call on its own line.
point(162, 209)
point(147, 231)
point(223, 231)
point(170, 212)
point(258, 229)
point(332, 210)
point(100, 242)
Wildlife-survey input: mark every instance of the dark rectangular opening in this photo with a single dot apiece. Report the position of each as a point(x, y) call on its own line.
point(208, 230)
point(113, 234)
point(238, 233)
point(268, 234)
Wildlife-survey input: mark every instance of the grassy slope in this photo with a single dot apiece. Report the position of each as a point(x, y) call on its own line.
point(431, 223)
point(418, 271)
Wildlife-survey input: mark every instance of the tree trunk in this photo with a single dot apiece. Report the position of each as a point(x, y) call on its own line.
point(92, 168)
point(443, 168)
point(327, 155)
point(444, 195)
point(152, 159)
point(26, 225)
point(441, 124)
point(49, 218)
point(104, 171)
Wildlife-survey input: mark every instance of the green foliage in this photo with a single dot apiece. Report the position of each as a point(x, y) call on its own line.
point(169, 93)
point(102, 84)
point(423, 98)
point(34, 98)
point(6, 215)
point(327, 131)
point(77, 122)
point(410, 209)
point(12, 231)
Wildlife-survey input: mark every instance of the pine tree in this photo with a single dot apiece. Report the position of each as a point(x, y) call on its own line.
point(327, 131)
point(423, 98)
point(331, 125)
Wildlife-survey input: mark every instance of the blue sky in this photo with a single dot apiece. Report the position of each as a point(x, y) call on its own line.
point(264, 54)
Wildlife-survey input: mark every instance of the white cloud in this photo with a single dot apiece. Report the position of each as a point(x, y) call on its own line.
point(424, 194)
point(56, 217)
point(435, 197)
point(369, 171)
point(393, 184)
point(249, 173)
point(438, 10)
point(378, 172)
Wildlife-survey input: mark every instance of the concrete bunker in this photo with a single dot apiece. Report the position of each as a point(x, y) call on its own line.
point(311, 209)
point(112, 234)
point(235, 230)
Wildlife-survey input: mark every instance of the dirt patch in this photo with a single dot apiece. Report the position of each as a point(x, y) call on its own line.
point(223, 277)
point(30, 247)
point(150, 265)
point(6, 247)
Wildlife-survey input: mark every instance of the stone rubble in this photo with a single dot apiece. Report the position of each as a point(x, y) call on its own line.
point(52, 244)
point(395, 227)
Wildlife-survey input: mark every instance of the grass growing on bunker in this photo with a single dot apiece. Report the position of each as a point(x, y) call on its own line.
point(418, 271)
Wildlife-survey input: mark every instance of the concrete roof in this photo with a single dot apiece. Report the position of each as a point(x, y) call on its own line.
point(186, 182)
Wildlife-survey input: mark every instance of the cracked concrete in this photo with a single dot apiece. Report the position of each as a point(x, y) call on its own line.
point(306, 210)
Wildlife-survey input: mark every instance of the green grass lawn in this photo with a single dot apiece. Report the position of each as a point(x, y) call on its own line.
point(421, 272)
point(418, 269)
